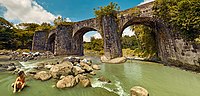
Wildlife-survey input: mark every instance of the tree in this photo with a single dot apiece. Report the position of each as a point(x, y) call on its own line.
point(129, 42)
point(183, 14)
point(111, 9)
point(95, 44)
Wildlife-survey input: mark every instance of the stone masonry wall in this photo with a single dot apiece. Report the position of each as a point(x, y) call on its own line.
point(63, 40)
point(176, 51)
point(112, 43)
point(39, 40)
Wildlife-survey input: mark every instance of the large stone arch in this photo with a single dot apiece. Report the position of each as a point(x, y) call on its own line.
point(85, 26)
point(132, 20)
point(78, 39)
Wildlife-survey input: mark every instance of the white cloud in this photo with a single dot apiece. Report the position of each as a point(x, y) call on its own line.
point(88, 36)
point(128, 32)
point(97, 36)
point(26, 11)
point(146, 1)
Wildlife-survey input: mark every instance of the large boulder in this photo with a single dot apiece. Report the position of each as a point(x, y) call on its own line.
point(71, 59)
point(80, 77)
point(68, 81)
point(62, 69)
point(87, 61)
point(77, 70)
point(104, 59)
point(86, 67)
point(85, 82)
point(113, 61)
point(42, 75)
point(96, 67)
point(104, 79)
point(138, 91)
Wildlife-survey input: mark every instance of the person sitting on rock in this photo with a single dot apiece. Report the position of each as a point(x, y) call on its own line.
point(19, 82)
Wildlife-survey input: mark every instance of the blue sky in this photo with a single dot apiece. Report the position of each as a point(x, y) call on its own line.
point(38, 11)
point(81, 9)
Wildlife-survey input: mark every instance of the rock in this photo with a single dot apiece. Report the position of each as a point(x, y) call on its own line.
point(61, 77)
point(96, 67)
point(113, 61)
point(42, 75)
point(71, 59)
point(16, 70)
point(11, 68)
point(77, 70)
point(62, 69)
point(104, 59)
point(49, 54)
point(118, 60)
point(86, 67)
point(68, 81)
point(85, 82)
point(48, 66)
point(80, 77)
point(89, 62)
point(93, 73)
point(103, 79)
point(40, 66)
point(32, 72)
point(138, 91)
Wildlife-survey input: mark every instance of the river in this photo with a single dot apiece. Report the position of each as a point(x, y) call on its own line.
point(159, 80)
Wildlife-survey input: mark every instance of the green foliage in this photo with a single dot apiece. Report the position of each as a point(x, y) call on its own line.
point(129, 42)
point(183, 14)
point(44, 26)
point(28, 26)
point(197, 40)
point(5, 24)
point(146, 41)
point(19, 37)
point(61, 21)
point(111, 9)
point(95, 44)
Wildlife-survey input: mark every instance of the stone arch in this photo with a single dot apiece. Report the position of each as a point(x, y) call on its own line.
point(50, 45)
point(147, 21)
point(78, 38)
point(83, 30)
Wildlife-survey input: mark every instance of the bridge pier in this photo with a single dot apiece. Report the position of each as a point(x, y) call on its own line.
point(39, 41)
point(112, 43)
point(65, 44)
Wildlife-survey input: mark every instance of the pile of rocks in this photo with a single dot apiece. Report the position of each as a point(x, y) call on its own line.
point(25, 56)
point(69, 72)
point(8, 67)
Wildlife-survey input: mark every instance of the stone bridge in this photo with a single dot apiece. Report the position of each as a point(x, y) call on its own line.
point(68, 40)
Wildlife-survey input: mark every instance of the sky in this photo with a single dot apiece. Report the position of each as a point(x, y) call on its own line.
point(38, 11)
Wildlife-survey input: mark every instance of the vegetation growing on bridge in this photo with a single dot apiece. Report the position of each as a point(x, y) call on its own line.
point(184, 14)
point(110, 10)
point(62, 21)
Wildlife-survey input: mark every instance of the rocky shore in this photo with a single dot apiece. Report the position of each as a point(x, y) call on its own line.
point(24, 56)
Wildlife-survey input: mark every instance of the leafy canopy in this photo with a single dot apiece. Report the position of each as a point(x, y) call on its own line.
point(183, 14)
point(110, 9)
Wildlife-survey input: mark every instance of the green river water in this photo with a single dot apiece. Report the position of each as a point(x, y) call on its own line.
point(159, 80)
